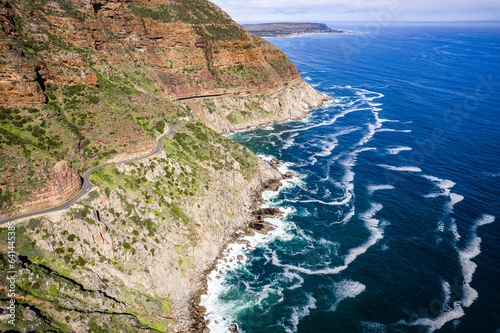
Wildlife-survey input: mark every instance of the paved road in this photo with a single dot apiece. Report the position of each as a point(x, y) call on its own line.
point(200, 96)
point(87, 185)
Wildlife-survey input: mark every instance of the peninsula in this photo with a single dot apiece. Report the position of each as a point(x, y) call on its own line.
point(286, 29)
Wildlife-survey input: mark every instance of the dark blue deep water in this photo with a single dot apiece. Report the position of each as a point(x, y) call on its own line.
point(392, 225)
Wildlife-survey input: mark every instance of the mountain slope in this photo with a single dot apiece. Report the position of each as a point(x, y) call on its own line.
point(87, 80)
point(83, 83)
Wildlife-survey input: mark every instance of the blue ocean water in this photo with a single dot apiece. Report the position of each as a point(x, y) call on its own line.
point(392, 225)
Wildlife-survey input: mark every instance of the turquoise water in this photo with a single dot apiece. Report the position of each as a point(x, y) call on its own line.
point(392, 225)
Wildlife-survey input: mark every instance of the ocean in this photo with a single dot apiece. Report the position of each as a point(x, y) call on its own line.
point(392, 224)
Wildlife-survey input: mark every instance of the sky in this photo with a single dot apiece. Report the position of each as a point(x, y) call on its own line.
point(254, 11)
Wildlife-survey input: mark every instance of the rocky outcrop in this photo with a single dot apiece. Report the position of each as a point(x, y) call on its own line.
point(240, 112)
point(65, 183)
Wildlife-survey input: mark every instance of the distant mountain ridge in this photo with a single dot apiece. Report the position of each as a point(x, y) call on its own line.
point(288, 29)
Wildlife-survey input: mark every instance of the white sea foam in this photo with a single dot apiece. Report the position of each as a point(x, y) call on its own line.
point(472, 250)
point(346, 289)
point(373, 188)
point(346, 182)
point(469, 294)
point(285, 167)
point(441, 226)
point(393, 130)
point(342, 202)
point(328, 146)
point(493, 174)
point(397, 150)
point(268, 158)
point(331, 141)
point(454, 231)
point(293, 277)
point(369, 135)
point(402, 169)
point(222, 313)
point(326, 122)
point(376, 233)
point(444, 185)
point(299, 312)
point(434, 324)
point(348, 216)
point(289, 142)
point(448, 312)
point(307, 78)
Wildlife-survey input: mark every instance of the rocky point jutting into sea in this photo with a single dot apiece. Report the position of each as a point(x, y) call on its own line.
point(88, 82)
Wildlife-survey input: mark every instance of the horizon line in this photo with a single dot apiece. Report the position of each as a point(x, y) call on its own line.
point(367, 21)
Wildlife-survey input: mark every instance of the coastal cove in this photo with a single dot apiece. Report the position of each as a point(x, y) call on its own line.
point(383, 230)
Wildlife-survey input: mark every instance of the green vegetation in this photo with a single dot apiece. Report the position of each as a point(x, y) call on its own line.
point(87, 122)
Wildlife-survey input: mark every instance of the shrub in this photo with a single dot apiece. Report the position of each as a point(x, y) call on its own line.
point(93, 99)
point(160, 126)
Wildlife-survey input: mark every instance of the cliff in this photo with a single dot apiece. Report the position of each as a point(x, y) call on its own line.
point(184, 48)
point(86, 82)
point(65, 183)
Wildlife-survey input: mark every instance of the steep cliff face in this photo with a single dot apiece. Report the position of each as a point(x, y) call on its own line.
point(65, 183)
point(186, 48)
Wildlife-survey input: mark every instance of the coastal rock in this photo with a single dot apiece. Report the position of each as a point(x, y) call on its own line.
point(65, 182)
point(235, 113)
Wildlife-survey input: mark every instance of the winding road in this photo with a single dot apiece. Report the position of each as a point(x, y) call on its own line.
point(87, 185)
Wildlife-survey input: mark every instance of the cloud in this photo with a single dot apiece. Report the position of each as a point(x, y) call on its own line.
point(359, 10)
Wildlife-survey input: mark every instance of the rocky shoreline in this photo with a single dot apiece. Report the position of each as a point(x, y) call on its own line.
point(296, 103)
point(257, 224)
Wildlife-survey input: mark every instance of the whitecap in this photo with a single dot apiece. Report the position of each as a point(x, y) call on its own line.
point(393, 130)
point(299, 312)
point(346, 289)
point(397, 150)
point(373, 188)
point(402, 169)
